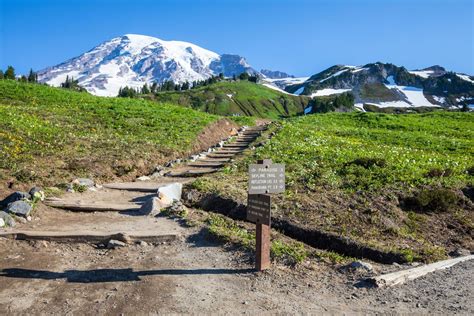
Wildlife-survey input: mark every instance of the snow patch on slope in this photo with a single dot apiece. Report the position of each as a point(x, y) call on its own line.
point(328, 91)
point(414, 96)
point(422, 73)
point(465, 77)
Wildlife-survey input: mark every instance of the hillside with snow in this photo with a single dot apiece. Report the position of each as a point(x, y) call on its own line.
point(387, 85)
point(133, 60)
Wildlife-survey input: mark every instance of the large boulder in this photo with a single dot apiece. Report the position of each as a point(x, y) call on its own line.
point(7, 219)
point(151, 207)
point(170, 192)
point(19, 208)
point(15, 196)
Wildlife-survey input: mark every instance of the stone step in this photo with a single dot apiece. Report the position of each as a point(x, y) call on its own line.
point(90, 236)
point(86, 206)
point(236, 146)
point(192, 172)
point(217, 155)
point(213, 159)
point(204, 164)
point(142, 186)
point(229, 152)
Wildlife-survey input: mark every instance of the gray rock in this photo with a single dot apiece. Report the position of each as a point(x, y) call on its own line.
point(460, 252)
point(84, 181)
point(112, 244)
point(19, 208)
point(38, 193)
point(15, 196)
point(144, 178)
point(360, 266)
point(7, 219)
point(151, 207)
point(2, 222)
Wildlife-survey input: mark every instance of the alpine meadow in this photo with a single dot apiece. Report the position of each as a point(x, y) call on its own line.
point(236, 157)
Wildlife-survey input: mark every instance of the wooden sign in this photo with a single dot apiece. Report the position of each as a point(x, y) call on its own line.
point(266, 178)
point(258, 208)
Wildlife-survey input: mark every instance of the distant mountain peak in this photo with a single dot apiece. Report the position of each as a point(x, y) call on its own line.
point(389, 85)
point(134, 59)
point(275, 74)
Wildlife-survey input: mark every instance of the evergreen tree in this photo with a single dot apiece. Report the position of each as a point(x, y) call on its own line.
point(1, 74)
point(244, 76)
point(32, 76)
point(145, 89)
point(10, 73)
point(23, 79)
point(154, 87)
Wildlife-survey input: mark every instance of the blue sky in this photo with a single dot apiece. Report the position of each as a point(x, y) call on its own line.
point(299, 37)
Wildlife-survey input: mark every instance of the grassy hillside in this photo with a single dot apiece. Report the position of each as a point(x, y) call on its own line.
point(391, 182)
point(49, 133)
point(238, 97)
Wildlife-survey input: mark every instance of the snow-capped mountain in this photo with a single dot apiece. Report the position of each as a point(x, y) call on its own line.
point(133, 60)
point(387, 85)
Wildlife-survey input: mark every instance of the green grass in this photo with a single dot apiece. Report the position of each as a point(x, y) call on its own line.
point(323, 150)
point(350, 173)
point(42, 128)
point(238, 97)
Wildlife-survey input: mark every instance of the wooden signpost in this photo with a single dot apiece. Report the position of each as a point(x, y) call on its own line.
point(264, 178)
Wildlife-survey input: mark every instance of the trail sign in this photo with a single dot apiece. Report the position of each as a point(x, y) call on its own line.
point(266, 178)
point(258, 208)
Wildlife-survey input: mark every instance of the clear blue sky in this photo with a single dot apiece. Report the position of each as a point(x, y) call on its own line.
point(299, 37)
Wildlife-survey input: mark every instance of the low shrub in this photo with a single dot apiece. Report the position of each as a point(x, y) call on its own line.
point(432, 200)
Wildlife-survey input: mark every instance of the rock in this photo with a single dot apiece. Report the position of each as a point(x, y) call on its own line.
point(22, 220)
point(112, 244)
point(19, 208)
point(169, 193)
point(151, 207)
point(360, 265)
point(144, 178)
point(2, 222)
point(143, 243)
point(37, 192)
point(84, 182)
point(15, 196)
point(7, 219)
point(460, 252)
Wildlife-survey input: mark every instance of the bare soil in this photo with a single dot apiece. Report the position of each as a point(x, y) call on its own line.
point(198, 275)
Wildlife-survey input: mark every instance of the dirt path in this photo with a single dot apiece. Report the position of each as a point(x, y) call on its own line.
point(193, 274)
point(197, 275)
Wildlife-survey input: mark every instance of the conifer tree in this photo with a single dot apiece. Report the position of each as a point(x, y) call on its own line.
point(32, 76)
point(1, 74)
point(10, 73)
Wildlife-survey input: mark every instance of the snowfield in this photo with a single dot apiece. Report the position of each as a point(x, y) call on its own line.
point(328, 91)
point(422, 73)
point(414, 96)
point(465, 77)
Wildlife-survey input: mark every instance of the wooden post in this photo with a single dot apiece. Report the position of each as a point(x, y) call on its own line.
point(262, 260)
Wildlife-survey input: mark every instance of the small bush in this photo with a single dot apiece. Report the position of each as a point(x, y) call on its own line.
point(367, 162)
point(470, 171)
point(432, 200)
point(438, 172)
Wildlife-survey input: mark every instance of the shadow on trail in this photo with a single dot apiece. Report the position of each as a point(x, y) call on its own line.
point(109, 275)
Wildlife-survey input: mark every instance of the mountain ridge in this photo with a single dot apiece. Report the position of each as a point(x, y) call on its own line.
point(133, 60)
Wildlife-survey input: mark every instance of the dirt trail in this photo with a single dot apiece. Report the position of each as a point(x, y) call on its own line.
point(193, 274)
point(197, 275)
